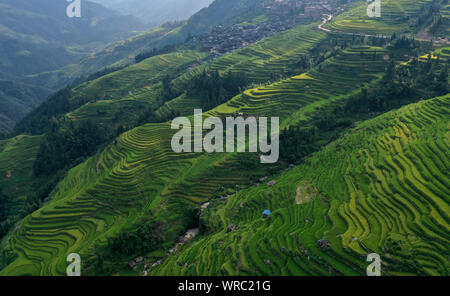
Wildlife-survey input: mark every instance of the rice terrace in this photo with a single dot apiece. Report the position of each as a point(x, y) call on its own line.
point(118, 156)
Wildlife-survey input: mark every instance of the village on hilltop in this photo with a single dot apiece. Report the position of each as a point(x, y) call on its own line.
point(282, 15)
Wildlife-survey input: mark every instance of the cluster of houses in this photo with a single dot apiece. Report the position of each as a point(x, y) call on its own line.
point(282, 15)
point(223, 39)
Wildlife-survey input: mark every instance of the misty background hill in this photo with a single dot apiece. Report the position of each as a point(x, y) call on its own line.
point(42, 50)
point(37, 37)
point(41, 32)
point(156, 12)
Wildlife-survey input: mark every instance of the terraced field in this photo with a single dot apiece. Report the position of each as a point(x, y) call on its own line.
point(139, 172)
point(334, 78)
point(125, 92)
point(16, 164)
point(262, 61)
point(131, 88)
point(383, 188)
point(444, 53)
point(114, 55)
point(445, 12)
point(394, 18)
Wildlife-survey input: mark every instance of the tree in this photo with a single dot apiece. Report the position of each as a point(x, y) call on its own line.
point(67, 145)
point(442, 80)
point(390, 72)
point(215, 89)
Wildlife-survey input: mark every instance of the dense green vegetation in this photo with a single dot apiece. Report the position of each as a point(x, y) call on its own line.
point(107, 185)
point(158, 178)
point(112, 109)
point(154, 52)
point(21, 191)
point(214, 89)
point(382, 188)
point(64, 145)
point(399, 86)
point(46, 68)
point(5, 211)
point(123, 53)
point(397, 16)
point(170, 187)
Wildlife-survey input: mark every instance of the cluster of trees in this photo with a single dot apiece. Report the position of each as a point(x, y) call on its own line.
point(437, 25)
point(214, 89)
point(5, 209)
point(13, 210)
point(38, 121)
point(150, 116)
point(297, 142)
point(67, 144)
point(145, 238)
point(168, 91)
point(404, 42)
point(141, 239)
point(430, 15)
point(303, 64)
point(154, 52)
point(96, 75)
point(402, 46)
point(127, 245)
point(10, 213)
point(319, 53)
point(403, 85)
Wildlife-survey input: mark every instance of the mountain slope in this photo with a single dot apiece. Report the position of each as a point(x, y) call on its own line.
point(16, 100)
point(30, 25)
point(252, 62)
point(133, 196)
point(17, 190)
point(383, 188)
point(397, 16)
point(109, 97)
point(140, 176)
point(38, 37)
point(124, 52)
